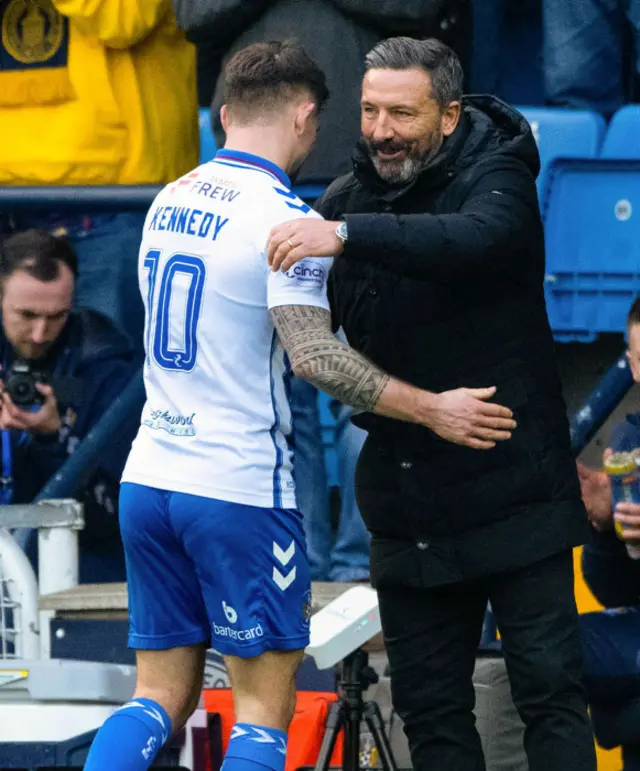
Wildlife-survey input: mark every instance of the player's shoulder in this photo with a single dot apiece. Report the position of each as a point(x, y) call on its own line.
point(284, 204)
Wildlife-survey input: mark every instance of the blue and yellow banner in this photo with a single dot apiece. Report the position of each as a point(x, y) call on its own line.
point(33, 54)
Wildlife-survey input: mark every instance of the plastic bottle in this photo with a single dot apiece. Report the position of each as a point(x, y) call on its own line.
point(623, 471)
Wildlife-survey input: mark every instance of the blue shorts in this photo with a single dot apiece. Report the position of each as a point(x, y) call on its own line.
point(203, 570)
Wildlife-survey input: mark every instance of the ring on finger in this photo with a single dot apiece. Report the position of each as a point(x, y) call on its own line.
point(290, 242)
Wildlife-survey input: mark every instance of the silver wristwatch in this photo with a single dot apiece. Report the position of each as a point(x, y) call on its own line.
point(341, 232)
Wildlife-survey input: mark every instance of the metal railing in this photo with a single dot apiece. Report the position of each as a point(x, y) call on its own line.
point(10, 609)
point(601, 402)
point(57, 523)
point(98, 198)
point(124, 408)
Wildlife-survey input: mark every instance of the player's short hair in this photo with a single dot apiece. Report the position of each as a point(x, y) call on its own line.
point(440, 62)
point(633, 317)
point(38, 253)
point(262, 78)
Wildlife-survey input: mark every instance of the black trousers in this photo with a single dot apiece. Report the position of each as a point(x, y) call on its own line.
point(432, 636)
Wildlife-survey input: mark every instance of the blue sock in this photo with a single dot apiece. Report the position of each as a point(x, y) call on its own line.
point(254, 748)
point(130, 739)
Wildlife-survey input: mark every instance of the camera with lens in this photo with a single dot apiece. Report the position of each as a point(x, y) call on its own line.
point(20, 384)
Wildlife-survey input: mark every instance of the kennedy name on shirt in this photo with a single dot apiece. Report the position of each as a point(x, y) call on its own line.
point(184, 219)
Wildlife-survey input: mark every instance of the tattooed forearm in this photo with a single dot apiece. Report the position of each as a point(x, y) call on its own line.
point(317, 356)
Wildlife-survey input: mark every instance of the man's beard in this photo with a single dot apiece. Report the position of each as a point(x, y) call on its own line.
point(400, 171)
point(32, 352)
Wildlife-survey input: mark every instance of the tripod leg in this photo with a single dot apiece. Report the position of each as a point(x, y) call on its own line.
point(373, 719)
point(335, 721)
point(351, 754)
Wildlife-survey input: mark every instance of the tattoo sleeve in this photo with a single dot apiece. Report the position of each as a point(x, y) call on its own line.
point(319, 357)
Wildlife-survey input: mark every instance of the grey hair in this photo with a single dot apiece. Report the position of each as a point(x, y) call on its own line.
point(439, 61)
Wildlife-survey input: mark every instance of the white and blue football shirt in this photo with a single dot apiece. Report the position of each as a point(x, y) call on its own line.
point(217, 420)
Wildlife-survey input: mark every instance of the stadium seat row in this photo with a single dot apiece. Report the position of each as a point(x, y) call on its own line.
point(589, 189)
point(582, 134)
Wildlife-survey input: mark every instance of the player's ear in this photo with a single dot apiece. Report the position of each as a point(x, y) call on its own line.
point(224, 117)
point(303, 115)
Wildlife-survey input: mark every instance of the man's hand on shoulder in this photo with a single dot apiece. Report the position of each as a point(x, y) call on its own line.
point(292, 241)
point(43, 421)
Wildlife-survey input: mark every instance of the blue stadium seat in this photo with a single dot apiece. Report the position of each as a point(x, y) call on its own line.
point(328, 427)
point(563, 134)
point(622, 140)
point(592, 232)
point(207, 139)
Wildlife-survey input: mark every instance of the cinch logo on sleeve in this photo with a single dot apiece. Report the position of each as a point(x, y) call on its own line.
point(307, 272)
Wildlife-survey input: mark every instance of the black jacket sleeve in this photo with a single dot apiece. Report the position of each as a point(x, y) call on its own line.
point(612, 576)
point(325, 206)
point(395, 17)
point(322, 205)
point(217, 22)
point(500, 209)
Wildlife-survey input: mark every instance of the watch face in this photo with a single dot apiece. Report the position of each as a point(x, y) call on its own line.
point(342, 231)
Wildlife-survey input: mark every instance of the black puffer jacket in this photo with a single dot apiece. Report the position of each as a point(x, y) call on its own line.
point(441, 285)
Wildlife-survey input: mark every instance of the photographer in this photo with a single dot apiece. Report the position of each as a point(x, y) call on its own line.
point(61, 369)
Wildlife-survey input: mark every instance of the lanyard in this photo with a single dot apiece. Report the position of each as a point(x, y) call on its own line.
point(6, 481)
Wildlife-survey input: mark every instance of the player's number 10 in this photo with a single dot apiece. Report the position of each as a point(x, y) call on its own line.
point(182, 359)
